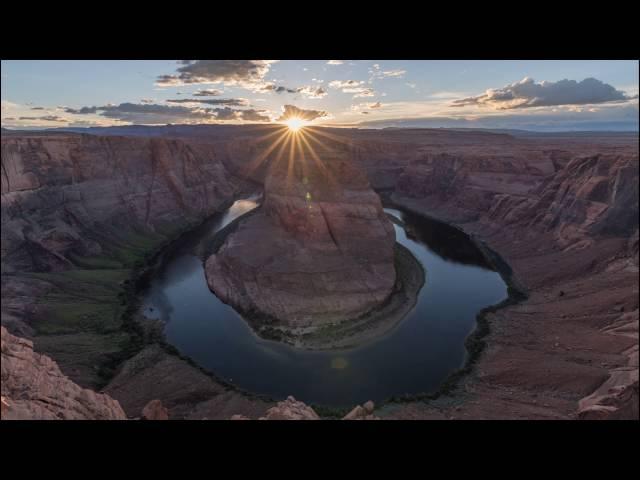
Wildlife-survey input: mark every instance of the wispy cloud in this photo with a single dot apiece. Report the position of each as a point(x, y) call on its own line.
point(353, 86)
point(231, 102)
point(211, 92)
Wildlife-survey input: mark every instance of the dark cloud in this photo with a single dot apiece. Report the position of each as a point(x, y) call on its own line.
point(46, 118)
point(245, 73)
point(153, 114)
point(213, 92)
point(278, 89)
point(527, 93)
point(232, 102)
point(249, 115)
point(81, 111)
point(291, 111)
point(37, 108)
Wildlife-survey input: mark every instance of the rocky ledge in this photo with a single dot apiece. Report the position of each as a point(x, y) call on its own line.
point(33, 387)
point(320, 251)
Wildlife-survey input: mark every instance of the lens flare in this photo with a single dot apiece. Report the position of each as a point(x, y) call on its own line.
point(295, 124)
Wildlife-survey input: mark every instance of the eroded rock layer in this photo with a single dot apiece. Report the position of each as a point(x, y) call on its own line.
point(33, 387)
point(319, 251)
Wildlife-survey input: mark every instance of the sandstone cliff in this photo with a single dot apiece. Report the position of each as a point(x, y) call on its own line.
point(34, 388)
point(319, 251)
point(567, 224)
point(78, 213)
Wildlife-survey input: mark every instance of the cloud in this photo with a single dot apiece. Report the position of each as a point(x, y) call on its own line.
point(81, 111)
point(335, 62)
point(364, 92)
point(248, 74)
point(251, 115)
point(371, 106)
point(345, 83)
point(212, 92)
point(7, 105)
point(308, 91)
point(527, 93)
point(612, 117)
point(291, 111)
point(232, 102)
point(392, 73)
point(46, 118)
point(37, 108)
point(377, 72)
point(353, 86)
point(154, 114)
point(146, 100)
point(279, 89)
point(311, 91)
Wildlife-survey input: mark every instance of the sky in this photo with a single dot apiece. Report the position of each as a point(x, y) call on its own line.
point(532, 95)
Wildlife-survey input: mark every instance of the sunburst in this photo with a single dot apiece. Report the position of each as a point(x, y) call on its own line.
point(295, 124)
point(296, 141)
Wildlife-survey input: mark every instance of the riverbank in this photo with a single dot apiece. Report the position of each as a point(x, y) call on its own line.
point(549, 355)
point(410, 277)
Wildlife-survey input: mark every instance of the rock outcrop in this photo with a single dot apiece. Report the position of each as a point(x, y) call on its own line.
point(291, 409)
point(154, 410)
point(34, 388)
point(319, 251)
point(362, 412)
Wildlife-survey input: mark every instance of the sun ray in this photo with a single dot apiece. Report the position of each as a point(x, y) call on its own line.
point(259, 159)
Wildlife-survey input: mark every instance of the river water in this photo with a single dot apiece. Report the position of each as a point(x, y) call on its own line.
point(415, 357)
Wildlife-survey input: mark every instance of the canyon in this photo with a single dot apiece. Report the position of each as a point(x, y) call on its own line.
point(83, 214)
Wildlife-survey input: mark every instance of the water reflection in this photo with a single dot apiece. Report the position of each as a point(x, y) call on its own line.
point(415, 357)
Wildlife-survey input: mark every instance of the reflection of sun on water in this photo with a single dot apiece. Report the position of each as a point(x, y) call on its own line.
point(339, 363)
point(294, 123)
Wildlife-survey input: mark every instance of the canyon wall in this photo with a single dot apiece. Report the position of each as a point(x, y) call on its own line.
point(79, 212)
point(567, 223)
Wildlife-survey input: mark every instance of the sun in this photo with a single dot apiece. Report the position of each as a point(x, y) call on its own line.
point(295, 123)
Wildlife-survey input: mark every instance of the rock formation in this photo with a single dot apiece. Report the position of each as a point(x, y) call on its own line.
point(362, 412)
point(319, 251)
point(34, 388)
point(290, 409)
point(154, 410)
